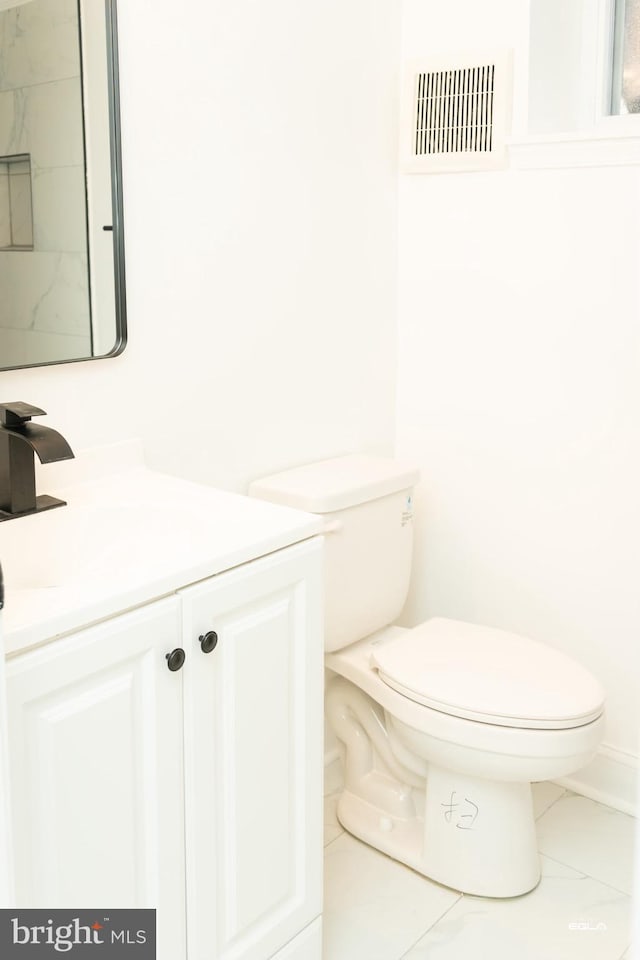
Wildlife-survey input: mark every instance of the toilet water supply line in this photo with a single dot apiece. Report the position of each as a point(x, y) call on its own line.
point(358, 721)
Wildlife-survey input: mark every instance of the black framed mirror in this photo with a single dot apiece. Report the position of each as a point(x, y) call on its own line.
point(62, 272)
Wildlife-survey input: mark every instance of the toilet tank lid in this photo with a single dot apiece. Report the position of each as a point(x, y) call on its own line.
point(336, 484)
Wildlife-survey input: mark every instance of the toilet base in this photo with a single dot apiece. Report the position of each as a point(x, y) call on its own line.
point(477, 836)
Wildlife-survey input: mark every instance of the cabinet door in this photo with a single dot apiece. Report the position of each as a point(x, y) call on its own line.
point(95, 732)
point(6, 865)
point(254, 756)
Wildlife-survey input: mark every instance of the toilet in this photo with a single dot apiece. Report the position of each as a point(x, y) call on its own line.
point(445, 725)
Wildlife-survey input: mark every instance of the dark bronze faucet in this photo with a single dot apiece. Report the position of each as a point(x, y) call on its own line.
point(19, 439)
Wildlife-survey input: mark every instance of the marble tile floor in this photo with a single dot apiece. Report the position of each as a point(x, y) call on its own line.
point(378, 909)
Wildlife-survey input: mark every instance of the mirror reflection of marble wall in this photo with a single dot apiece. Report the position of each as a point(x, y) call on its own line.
point(44, 291)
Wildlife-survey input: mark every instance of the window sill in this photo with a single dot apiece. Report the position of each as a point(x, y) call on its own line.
point(612, 144)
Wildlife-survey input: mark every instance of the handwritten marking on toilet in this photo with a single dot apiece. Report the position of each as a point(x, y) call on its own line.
point(463, 821)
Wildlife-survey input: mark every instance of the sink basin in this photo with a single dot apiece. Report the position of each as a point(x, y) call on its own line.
point(76, 545)
point(126, 538)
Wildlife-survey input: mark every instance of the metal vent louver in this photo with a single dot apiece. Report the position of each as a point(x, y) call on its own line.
point(455, 116)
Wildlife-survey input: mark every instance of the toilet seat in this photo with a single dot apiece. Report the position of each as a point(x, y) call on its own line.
point(532, 753)
point(488, 675)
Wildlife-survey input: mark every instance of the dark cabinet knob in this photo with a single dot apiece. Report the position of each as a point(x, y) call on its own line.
point(176, 659)
point(208, 641)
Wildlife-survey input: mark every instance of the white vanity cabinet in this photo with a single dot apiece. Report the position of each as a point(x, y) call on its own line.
point(253, 741)
point(95, 749)
point(195, 791)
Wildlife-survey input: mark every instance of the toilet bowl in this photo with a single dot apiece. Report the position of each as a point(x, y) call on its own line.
point(448, 795)
point(443, 726)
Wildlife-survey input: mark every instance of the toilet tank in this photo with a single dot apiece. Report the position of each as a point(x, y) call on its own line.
point(367, 503)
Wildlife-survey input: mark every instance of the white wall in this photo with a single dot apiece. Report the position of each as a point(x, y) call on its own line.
point(260, 219)
point(519, 393)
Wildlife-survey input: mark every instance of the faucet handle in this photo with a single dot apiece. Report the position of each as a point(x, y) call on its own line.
point(17, 412)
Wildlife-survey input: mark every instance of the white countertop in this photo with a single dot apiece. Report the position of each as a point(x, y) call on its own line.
point(126, 539)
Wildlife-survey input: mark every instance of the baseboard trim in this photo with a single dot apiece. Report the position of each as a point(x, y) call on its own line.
point(611, 778)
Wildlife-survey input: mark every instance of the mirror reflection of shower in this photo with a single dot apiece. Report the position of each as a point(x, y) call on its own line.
point(44, 308)
point(61, 245)
point(8, 4)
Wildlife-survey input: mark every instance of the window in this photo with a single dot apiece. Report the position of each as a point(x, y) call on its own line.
point(584, 65)
point(625, 88)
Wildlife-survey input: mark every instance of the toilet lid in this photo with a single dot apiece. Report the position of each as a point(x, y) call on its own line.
point(488, 675)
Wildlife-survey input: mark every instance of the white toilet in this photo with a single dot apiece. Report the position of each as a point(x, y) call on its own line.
point(444, 725)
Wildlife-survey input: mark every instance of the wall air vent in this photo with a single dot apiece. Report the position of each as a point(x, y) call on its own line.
point(455, 114)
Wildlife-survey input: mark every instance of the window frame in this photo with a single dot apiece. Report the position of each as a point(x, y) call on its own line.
point(609, 140)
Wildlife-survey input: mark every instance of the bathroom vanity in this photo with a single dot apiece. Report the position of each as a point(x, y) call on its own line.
point(164, 689)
